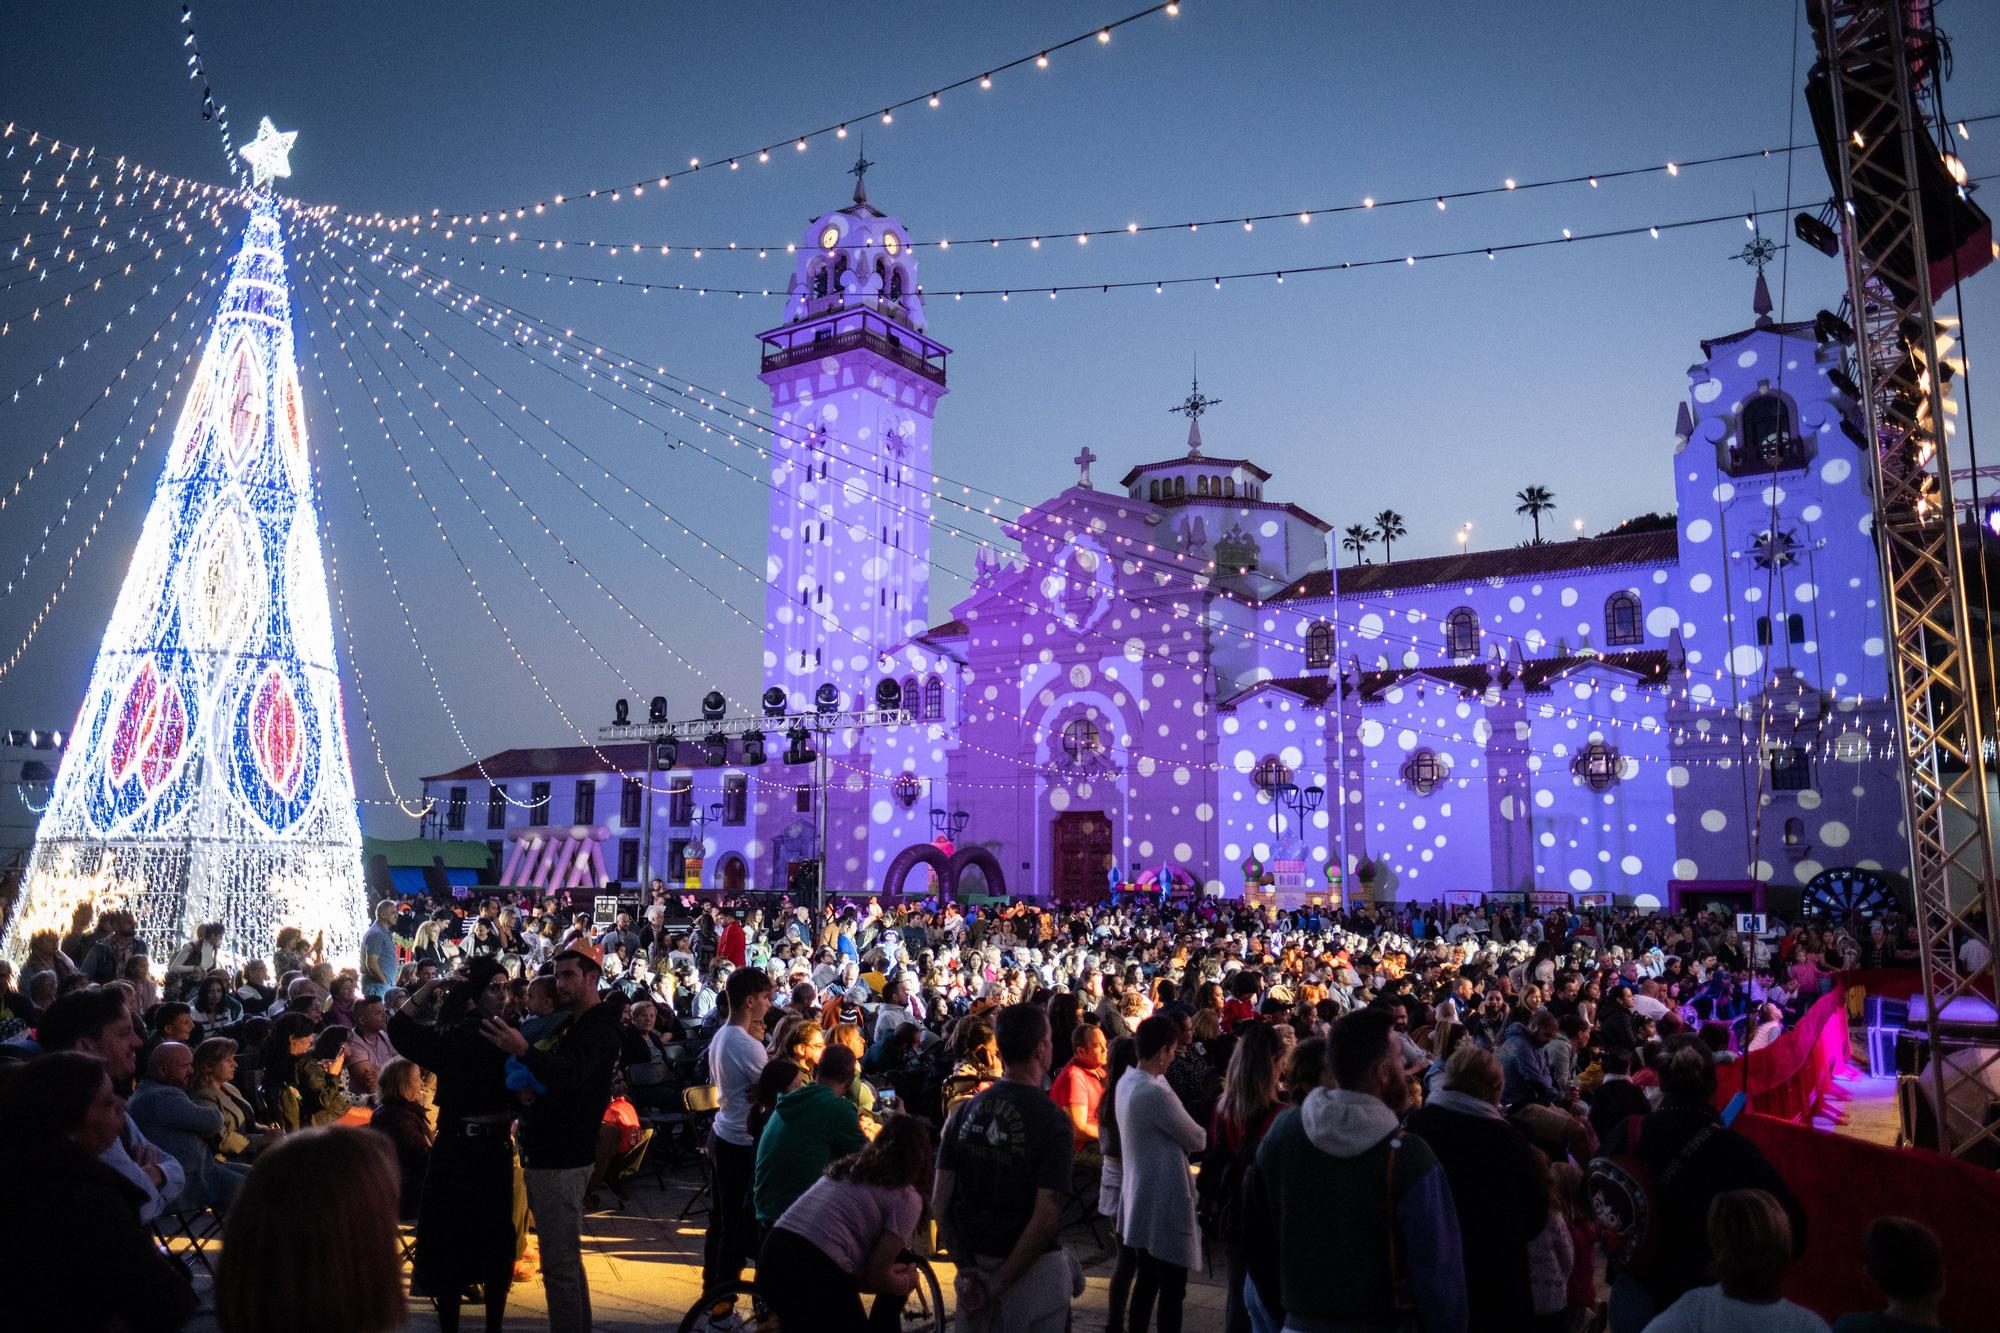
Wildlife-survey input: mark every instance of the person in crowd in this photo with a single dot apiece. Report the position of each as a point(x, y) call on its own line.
point(810, 1128)
point(253, 990)
point(849, 1233)
point(732, 944)
point(861, 1092)
point(72, 1229)
point(1394, 1253)
point(399, 1113)
point(1079, 1085)
point(378, 950)
point(1709, 1160)
point(1110, 1182)
point(1157, 1199)
point(618, 1133)
point(1002, 1175)
point(1304, 1068)
point(369, 1049)
point(45, 955)
point(736, 1059)
point(1617, 1098)
point(195, 959)
point(465, 1228)
point(559, 1127)
point(341, 996)
point(212, 1004)
point(341, 1273)
point(1750, 1239)
point(1770, 1026)
point(975, 1065)
point(185, 1128)
point(1249, 1105)
point(803, 1043)
point(1497, 1185)
point(83, 933)
point(212, 1083)
point(649, 1075)
point(1903, 1258)
point(96, 1023)
point(110, 957)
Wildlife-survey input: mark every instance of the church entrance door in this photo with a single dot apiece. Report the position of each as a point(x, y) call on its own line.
point(1083, 857)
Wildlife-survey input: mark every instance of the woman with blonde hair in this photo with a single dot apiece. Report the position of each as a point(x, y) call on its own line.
point(340, 1275)
point(1750, 1235)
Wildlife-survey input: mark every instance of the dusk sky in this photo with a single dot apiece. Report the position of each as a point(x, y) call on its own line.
point(1437, 389)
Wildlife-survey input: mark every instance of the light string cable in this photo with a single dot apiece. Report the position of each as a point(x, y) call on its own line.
point(165, 400)
point(503, 417)
point(1159, 285)
point(395, 588)
point(89, 286)
point(204, 278)
point(211, 110)
point(1246, 220)
point(36, 253)
point(798, 141)
point(567, 550)
point(1194, 583)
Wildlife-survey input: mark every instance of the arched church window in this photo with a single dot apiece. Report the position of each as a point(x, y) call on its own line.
point(1153, 489)
point(1180, 485)
point(1080, 739)
point(1229, 487)
point(1795, 831)
point(819, 281)
point(1201, 485)
point(1763, 630)
point(1795, 628)
point(1215, 485)
point(896, 284)
point(1766, 439)
point(933, 700)
point(1461, 633)
point(911, 699)
point(839, 271)
point(1621, 619)
point(1423, 772)
point(1270, 774)
point(1319, 645)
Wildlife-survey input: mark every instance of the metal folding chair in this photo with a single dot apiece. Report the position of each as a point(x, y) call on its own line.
point(198, 1228)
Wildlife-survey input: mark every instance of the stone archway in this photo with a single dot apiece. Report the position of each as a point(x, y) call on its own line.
point(921, 853)
point(966, 858)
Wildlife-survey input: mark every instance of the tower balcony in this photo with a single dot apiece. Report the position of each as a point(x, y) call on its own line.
point(846, 329)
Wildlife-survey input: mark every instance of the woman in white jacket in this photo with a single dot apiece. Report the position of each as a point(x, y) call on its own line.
point(1156, 1206)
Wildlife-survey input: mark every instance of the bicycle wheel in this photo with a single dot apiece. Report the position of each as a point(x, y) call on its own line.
point(743, 1314)
point(923, 1309)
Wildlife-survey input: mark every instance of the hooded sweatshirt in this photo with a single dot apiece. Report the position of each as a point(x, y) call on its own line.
point(1526, 1070)
point(812, 1127)
point(1330, 1267)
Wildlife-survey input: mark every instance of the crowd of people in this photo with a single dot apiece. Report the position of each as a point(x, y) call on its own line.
point(1387, 1117)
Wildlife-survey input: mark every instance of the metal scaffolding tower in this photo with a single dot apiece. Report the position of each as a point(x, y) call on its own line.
point(1875, 57)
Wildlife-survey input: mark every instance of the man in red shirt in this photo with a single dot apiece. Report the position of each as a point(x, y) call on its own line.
point(1079, 1085)
point(731, 945)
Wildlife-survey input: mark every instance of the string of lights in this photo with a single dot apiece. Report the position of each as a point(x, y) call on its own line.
point(94, 285)
point(798, 142)
point(1564, 712)
point(77, 349)
point(48, 605)
point(1533, 642)
point(211, 110)
point(1244, 219)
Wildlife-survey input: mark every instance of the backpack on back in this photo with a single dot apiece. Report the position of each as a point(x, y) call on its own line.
point(1625, 1193)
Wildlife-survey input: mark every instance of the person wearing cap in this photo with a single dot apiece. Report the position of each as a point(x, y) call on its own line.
point(559, 1129)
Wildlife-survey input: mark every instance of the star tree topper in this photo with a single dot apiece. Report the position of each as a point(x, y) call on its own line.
point(269, 154)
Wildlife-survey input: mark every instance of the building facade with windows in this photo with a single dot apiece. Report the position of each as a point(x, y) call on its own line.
point(1169, 677)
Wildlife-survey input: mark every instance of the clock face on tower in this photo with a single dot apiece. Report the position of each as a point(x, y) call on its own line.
point(892, 243)
point(829, 238)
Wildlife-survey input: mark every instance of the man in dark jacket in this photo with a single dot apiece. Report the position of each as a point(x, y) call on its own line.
point(559, 1128)
point(1692, 1157)
point(1617, 1098)
point(1316, 1265)
point(1497, 1186)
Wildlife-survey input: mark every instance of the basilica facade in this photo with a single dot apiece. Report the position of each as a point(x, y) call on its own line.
point(1170, 679)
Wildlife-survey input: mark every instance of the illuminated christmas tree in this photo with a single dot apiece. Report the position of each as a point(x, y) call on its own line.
point(208, 778)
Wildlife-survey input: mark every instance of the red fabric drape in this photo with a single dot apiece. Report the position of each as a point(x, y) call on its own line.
point(1789, 1077)
point(1844, 1184)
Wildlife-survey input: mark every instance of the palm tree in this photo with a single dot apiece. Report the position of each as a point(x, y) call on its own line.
point(1358, 538)
point(1389, 527)
point(1535, 501)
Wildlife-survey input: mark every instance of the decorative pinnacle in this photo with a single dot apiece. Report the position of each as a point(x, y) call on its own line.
point(860, 172)
point(1192, 407)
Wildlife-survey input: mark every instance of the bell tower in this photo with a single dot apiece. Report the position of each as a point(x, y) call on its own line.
point(854, 381)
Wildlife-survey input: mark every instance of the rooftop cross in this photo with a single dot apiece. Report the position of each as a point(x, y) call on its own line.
point(1083, 460)
point(269, 154)
point(860, 172)
point(1192, 407)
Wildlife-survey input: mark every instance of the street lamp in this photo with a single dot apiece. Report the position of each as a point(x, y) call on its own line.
point(1301, 801)
point(1464, 536)
point(948, 823)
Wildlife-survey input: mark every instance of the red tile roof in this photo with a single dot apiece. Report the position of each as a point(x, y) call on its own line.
point(549, 762)
point(1514, 562)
